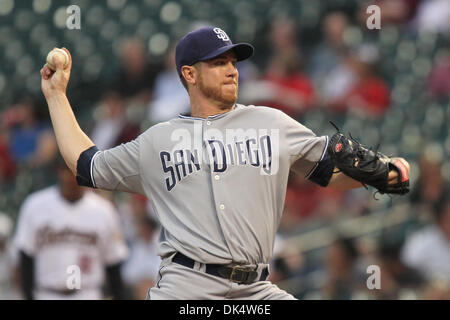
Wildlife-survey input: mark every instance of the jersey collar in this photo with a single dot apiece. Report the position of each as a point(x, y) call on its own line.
point(215, 116)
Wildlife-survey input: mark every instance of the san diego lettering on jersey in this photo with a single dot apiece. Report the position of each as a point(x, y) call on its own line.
point(257, 151)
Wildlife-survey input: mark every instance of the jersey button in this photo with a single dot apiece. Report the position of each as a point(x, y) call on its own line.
point(208, 123)
point(222, 207)
point(217, 177)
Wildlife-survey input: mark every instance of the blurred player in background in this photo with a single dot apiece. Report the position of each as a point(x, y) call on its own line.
point(7, 291)
point(63, 226)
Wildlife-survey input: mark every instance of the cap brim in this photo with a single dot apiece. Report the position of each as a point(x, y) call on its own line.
point(242, 50)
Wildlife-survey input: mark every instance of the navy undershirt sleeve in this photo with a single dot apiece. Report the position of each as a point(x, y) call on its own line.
point(84, 175)
point(323, 172)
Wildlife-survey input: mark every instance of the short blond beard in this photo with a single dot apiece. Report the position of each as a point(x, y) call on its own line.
point(215, 94)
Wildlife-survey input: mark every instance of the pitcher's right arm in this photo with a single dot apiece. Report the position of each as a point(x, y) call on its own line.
point(72, 141)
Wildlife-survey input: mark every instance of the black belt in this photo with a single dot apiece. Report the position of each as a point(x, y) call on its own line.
point(238, 274)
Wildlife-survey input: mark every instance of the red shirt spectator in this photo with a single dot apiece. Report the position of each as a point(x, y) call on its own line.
point(372, 94)
point(293, 90)
point(284, 86)
point(305, 199)
point(369, 93)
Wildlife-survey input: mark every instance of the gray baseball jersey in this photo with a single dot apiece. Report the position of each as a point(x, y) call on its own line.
point(217, 185)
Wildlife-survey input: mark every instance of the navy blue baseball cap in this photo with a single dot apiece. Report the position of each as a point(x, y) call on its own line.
point(207, 43)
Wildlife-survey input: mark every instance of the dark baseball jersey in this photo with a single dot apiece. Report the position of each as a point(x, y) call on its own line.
point(218, 184)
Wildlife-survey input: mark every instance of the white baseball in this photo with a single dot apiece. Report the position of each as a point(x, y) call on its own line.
point(62, 55)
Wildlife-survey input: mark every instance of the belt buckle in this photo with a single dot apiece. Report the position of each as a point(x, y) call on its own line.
point(234, 272)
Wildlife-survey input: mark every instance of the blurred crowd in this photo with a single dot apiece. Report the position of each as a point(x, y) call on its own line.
point(335, 76)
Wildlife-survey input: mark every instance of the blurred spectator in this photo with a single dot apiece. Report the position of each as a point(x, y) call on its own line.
point(132, 209)
point(7, 165)
point(137, 74)
point(283, 86)
point(369, 95)
point(433, 16)
point(170, 97)
point(293, 92)
point(248, 71)
point(397, 280)
point(430, 186)
point(428, 250)
point(328, 54)
point(283, 35)
point(32, 142)
point(64, 226)
point(141, 269)
point(113, 127)
point(343, 276)
point(332, 74)
point(437, 289)
point(288, 264)
point(338, 82)
point(439, 78)
point(305, 200)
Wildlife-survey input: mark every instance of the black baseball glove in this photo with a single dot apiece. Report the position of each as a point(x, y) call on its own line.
point(367, 166)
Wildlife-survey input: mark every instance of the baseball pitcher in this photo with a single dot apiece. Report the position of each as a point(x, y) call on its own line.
point(216, 179)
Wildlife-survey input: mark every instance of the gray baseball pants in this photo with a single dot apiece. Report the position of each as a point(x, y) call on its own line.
point(177, 282)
